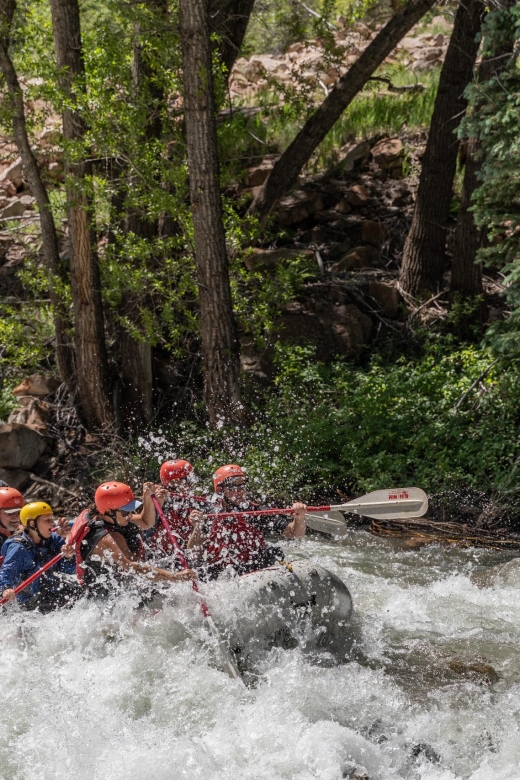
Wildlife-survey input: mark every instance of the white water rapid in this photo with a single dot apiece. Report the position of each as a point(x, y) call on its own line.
point(92, 694)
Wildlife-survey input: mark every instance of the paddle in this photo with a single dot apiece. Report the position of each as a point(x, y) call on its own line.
point(398, 503)
point(228, 660)
point(33, 577)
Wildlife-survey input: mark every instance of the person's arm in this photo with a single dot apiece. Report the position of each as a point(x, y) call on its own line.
point(297, 527)
point(146, 518)
point(107, 548)
point(197, 537)
point(67, 564)
point(17, 560)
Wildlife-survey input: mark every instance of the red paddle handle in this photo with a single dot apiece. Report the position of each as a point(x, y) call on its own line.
point(36, 574)
point(182, 559)
point(256, 512)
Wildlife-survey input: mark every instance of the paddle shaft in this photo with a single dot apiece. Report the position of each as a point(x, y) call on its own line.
point(33, 577)
point(225, 652)
point(351, 507)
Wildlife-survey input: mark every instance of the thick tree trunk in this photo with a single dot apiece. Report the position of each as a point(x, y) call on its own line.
point(285, 173)
point(62, 324)
point(466, 273)
point(229, 20)
point(219, 342)
point(89, 335)
point(424, 253)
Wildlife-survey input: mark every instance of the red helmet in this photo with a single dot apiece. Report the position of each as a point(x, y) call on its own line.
point(115, 495)
point(11, 500)
point(174, 471)
point(225, 472)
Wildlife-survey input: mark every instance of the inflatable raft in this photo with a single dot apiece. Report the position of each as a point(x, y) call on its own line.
point(297, 604)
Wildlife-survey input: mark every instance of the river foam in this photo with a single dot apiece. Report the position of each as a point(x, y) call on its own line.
point(98, 694)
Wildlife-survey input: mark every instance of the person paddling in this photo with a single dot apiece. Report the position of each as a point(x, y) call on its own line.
point(11, 502)
point(177, 498)
point(26, 553)
point(109, 544)
point(239, 543)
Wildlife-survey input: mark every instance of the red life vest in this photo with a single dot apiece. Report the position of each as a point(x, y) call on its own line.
point(177, 518)
point(233, 541)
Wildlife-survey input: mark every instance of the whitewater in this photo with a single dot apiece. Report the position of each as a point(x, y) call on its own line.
point(99, 693)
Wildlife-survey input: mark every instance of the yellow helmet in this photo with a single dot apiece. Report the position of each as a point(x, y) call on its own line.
point(34, 510)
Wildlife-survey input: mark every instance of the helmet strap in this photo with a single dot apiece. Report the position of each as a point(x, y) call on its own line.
point(36, 529)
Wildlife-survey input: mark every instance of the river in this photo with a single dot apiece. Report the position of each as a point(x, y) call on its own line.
point(123, 695)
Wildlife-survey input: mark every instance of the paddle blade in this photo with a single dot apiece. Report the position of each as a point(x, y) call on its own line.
point(331, 522)
point(228, 659)
point(389, 504)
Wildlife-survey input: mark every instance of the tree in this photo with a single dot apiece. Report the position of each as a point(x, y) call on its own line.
point(425, 247)
point(219, 341)
point(466, 272)
point(285, 173)
point(89, 335)
point(62, 324)
point(229, 20)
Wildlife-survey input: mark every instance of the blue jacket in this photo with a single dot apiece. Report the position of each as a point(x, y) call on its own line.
point(22, 560)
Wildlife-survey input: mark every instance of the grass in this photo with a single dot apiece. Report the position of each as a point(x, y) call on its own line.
point(375, 111)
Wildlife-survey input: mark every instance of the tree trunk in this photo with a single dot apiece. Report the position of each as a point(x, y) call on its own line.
point(89, 335)
point(466, 274)
point(424, 253)
point(219, 342)
point(285, 173)
point(62, 324)
point(229, 20)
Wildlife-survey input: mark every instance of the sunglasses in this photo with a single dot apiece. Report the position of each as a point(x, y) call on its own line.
point(124, 512)
point(236, 482)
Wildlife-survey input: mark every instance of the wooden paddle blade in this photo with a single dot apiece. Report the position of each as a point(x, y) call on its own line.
point(331, 522)
point(396, 503)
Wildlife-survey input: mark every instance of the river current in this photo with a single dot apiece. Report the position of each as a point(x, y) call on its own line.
point(433, 694)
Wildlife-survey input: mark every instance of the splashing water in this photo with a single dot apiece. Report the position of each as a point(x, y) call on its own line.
point(107, 694)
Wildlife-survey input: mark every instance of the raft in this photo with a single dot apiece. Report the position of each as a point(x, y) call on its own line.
point(290, 605)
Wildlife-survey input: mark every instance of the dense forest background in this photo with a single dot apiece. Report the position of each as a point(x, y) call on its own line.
point(276, 232)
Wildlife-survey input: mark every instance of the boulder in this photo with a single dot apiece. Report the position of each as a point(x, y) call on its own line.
point(37, 385)
point(15, 209)
point(256, 176)
point(36, 415)
point(373, 233)
point(357, 258)
point(299, 206)
point(20, 446)
point(17, 478)
point(351, 328)
point(270, 257)
point(14, 172)
point(343, 207)
point(388, 153)
point(350, 155)
point(386, 296)
point(357, 195)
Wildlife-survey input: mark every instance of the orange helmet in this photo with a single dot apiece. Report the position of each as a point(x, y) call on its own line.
point(115, 495)
point(174, 471)
point(225, 472)
point(11, 500)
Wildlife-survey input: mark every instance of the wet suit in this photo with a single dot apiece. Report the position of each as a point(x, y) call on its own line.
point(22, 557)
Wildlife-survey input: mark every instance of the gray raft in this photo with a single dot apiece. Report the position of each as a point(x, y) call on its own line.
point(301, 605)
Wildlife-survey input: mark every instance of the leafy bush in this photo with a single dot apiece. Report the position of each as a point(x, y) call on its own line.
point(356, 429)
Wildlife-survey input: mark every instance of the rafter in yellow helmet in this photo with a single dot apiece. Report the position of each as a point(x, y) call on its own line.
point(34, 510)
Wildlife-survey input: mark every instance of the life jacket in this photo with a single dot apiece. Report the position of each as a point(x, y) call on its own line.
point(43, 555)
point(87, 531)
point(176, 512)
point(233, 541)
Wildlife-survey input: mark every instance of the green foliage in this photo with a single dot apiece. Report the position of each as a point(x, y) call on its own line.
point(388, 424)
point(494, 120)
